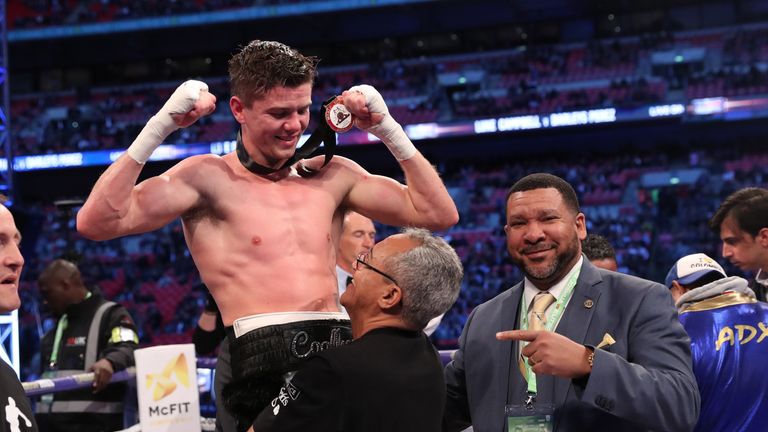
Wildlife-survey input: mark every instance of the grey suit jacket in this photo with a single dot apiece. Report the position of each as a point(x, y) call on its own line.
point(642, 382)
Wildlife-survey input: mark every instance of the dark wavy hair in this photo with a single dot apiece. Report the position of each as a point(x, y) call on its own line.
point(748, 207)
point(597, 247)
point(261, 66)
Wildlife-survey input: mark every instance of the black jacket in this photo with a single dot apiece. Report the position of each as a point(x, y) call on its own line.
point(759, 290)
point(117, 339)
point(387, 380)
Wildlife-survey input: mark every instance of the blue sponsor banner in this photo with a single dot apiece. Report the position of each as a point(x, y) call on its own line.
point(698, 109)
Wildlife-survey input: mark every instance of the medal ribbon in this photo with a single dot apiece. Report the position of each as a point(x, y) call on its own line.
point(322, 134)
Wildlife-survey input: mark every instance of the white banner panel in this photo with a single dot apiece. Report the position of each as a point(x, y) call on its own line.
point(166, 381)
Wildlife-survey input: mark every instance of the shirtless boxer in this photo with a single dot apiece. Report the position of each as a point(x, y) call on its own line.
point(264, 243)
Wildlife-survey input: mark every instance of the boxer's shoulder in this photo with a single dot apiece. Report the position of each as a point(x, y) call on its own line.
point(199, 167)
point(339, 166)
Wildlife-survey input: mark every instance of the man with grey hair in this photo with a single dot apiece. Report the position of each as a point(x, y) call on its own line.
point(390, 366)
point(358, 235)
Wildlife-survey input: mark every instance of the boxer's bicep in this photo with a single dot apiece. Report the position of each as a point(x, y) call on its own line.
point(157, 201)
point(382, 199)
point(118, 207)
point(422, 202)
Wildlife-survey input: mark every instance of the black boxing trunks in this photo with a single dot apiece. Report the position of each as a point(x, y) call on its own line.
point(266, 349)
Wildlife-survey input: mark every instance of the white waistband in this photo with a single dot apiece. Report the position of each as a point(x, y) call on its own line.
point(243, 325)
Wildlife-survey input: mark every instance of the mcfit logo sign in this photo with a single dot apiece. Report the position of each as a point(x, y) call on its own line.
point(167, 388)
point(174, 373)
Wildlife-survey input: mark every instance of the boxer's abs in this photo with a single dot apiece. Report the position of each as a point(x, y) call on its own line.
point(258, 288)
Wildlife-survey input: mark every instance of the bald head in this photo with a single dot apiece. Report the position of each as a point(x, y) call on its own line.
point(61, 285)
point(61, 269)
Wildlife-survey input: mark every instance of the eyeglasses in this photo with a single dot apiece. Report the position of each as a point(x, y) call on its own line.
point(363, 258)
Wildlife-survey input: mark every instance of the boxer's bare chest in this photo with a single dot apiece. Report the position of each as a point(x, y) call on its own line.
point(267, 218)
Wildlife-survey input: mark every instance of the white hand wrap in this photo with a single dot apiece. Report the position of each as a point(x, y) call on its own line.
point(388, 131)
point(161, 124)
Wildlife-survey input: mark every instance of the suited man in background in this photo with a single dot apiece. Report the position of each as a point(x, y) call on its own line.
point(606, 350)
point(358, 235)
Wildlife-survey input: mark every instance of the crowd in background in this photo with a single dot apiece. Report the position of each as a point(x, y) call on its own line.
point(44, 13)
point(536, 80)
point(650, 226)
point(153, 275)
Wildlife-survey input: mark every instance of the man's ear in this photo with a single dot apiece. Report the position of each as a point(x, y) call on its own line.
point(762, 237)
point(677, 290)
point(581, 226)
point(391, 297)
point(66, 285)
point(237, 106)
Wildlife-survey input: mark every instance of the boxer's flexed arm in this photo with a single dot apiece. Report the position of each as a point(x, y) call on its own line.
point(423, 201)
point(116, 205)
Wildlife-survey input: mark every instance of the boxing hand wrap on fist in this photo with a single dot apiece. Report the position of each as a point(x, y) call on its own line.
point(388, 130)
point(162, 124)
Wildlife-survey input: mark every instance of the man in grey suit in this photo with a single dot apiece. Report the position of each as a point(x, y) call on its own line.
point(617, 360)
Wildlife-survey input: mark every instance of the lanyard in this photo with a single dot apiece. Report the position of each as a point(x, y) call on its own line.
point(549, 326)
point(62, 325)
point(57, 340)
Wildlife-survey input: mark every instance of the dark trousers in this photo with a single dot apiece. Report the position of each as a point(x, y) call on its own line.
point(262, 359)
point(225, 422)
